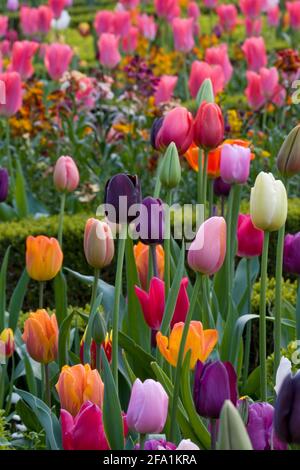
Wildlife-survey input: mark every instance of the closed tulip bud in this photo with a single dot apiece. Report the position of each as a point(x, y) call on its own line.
point(208, 126)
point(288, 159)
point(99, 330)
point(151, 221)
point(291, 254)
point(41, 336)
point(3, 184)
point(7, 343)
point(177, 127)
point(207, 252)
point(235, 164)
point(205, 93)
point(214, 383)
point(287, 407)
point(170, 173)
point(99, 245)
point(148, 407)
point(78, 384)
point(43, 257)
point(268, 203)
point(250, 239)
point(66, 175)
point(121, 193)
point(232, 431)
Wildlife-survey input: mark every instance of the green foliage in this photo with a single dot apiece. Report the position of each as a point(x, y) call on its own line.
point(4, 433)
point(289, 293)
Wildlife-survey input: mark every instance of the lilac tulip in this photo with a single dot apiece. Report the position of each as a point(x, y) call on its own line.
point(235, 164)
point(3, 184)
point(151, 226)
point(291, 254)
point(148, 407)
point(157, 444)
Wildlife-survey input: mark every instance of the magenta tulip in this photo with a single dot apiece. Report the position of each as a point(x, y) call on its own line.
point(293, 9)
point(177, 127)
point(29, 20)
point(254, 92)
point(255, 53)
point(219, 56)
point(273, 16)
point(44, 19)
point(167, 9)
point(104, 22)
point(57, 59)
point(130, 42)
point(165, 89)
point(109, 50)
point(12, 5)
point(200, 71)
point(253, 26)
point(57, 7)
point(122, 23)
point(235, 163)
point(183, 34)
point(252, 8)
point(22, 55)
point(250, 239)
point(3, 25)
point(228, 16)
point(147, 26)
point(12, 91)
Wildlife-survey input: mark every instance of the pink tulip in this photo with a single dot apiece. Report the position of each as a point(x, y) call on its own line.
point(3, 25)
point(250, 239)
point(29, 20)
point(264, 87)
point(200, 71)
point(193, 11)
point(57, 59)
point(147, 26)
point(168, 9)
point(253, 26)
point(183, 34)
point(5, 48)
point(57, 7)
point(104, 22)
point(251, 8)
point(269, 81)
point(228, 16)
point(273, 15)
point(255, 52)
point(45, 17)
point(219, 56)
point(207, 252)
point(130, 42)
point(293, 9)
point(148, 407)
point(235, 164)
point(66, 174)
point(12, 88)
point(177, 127)
point(210, 3)
point(254, 92)
point(22, 54)
point(108, 45)
point(130, 4)
point(122, 23)
point(165, 89)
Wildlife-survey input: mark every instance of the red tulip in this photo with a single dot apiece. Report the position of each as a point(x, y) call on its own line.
point(250, 239)
point(208, 126)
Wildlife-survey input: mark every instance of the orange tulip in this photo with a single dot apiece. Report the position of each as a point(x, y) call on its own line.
point(41, 336)
point(200, 342)
point(78, 384)
point(141, 254)
point(43, 257)
point(7, 340)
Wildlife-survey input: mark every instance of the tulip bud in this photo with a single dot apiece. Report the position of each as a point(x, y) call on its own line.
point(286, 419)
point(268, 203)
point(3, 184)
point(208, 126)
point(205, 93)
point(98, 243)
point(151, 224)
point(43, 257)
point(99, 330)
point(7, 343)
point(170, 173)
point(66, 175)
point(288, 159)
point(235, 164)
point(121, 193)
point(232, 431)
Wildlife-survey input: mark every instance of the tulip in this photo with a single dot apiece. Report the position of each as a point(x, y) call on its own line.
point(157, 444)
point(254, 91)
point(22, 54)
point(29, 20)
point(57, 7)
point(235, 164)
point(141, 255)
point(288, 158)
point(4, 180)
point(208, 126)
point(183, 34)
point(45, 17)
point(250, 239)
point(232, 434)
point(255, 52)
point(57, 59)
point(291, 254)
point(153, 303)
point(12, 87)
point(41, 336)
point(193, 10)
point(213, 161)
point(167, 9)
point(130, 42)
point(293, 9)
point(273, 15)
point(108, 45)
point(148, 407)
point(210, 3)
point(228, 16)
point(3, 25)
point(200, 342)
point(221, 188)
point(43, 257)
point(177, 127)
point(78, 384)
point(147, 26)
point(165, 89)
point(219, 56)
point(251, 8)
point(130, 4)
point(286, 420)
point(268, 203)
point(66, 175)
point(7, 340)
point(200, 71)
point(12, 5)
point(151, 221)
point(117, 189)
point(98, 244)
point(122, 23)
point(104, 22)
point(253, 27)
point(207, 252)
point(214, 383)
point(170, 171)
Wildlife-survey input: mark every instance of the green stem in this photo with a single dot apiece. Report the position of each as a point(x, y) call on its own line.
point(8, 152)
point(167, 246)
point(95, 287)
point(158, 182)
point(204, 179)
point(3, 371)
point(98, 357)
point(47, 385)
point(248, 328)
point(262, 318)
point(11, 387)
point(199, 176)
point(154, 260)
point(185, 331)
point(278, 298)
point(142, 441)
point(61, 218)
point(185, 78)
point(116, 307)
point(211, 197)
point(41, 294)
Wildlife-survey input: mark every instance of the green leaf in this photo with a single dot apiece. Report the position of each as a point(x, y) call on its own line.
point(232, 431)
point(89, 329)
point(240, 286)
point(61, 298)
point(20, 192)
point(3, 276)
point(28, 418)
point(252, 386)
point(63, 340)
point(112, 414)
point(17, 299)
point(30, 378)
point(205, 93)
point(140, 359)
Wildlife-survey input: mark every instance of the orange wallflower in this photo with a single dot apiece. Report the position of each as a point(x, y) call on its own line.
point(141, 254)
point(200, 342)
point(43, 257)
point(41, 336)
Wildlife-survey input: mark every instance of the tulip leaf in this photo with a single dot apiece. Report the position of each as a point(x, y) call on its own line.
point(232, 431)
point(61, 298)
point(17, 299)
point(20, 192)
point(63, 340)
point(3, 276)
point(89, 329)
point(112, 414)
point(188, 403)
point(205, 93)
point(141, 360)
point(240, 287)
point(47, 419)
point(130, 373)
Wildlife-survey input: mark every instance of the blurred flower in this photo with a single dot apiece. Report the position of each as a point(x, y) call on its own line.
point(165, 89)
point(43, 257)
point(109, 50)
point(12, 85)
point(3, 25)
point(219, 56)
point(7, 339)
point(147, 26)
point(29, 20)
point(41, 336)
point(57, 7)
point(104, 22)
point(62, 22)
point(200, 71)
point(44, 19)
point(12, 5)
point(57, 59)
point(141, 255)
point(183, 34)
point(286, 420)
point(291, 254)
point(228, 16)
point(4, 180)
point(293, 9)
point(130, 41)
point(255, 52)
point(168, 9)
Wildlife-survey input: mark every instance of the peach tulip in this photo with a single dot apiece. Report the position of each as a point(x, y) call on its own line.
point(66, 174)
point(41, 336)
point(99, 245)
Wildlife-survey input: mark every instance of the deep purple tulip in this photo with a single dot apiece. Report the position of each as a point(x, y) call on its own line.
point(121, 193)
point(287, 410)
point(151, 226)
point(221, 188)
point(214, 383)
point(3, 184)
point(291, 254)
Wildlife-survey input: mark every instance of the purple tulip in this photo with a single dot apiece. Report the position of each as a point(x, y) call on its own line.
point(151, 226)
point(291, 254)
point(221, 188)
point(157, 444)
point(3, 184)
point(235, 164)
point(122, 192)
point(214, 383)
point(148, 407)
point(287, 410)
point(12, 5)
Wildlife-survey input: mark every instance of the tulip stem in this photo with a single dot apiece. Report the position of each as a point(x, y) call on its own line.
point(298, 312)
point(142, 441)
point(41, 294)
point(167, 245)
point(185, 331)
point(248, 328)
point(185, 78)
point(95, 288)
point(278, 298)
point(154, 260)
point(98, 357)
point(204, 179)
point(61, 218)
point(199, 176)
point(213, 433)
point(47, 385)
point(116, 307)
point(262, 318)
point(9, 160)
point(211, 197)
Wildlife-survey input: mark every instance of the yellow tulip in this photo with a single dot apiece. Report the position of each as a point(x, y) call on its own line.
point(7, 339)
